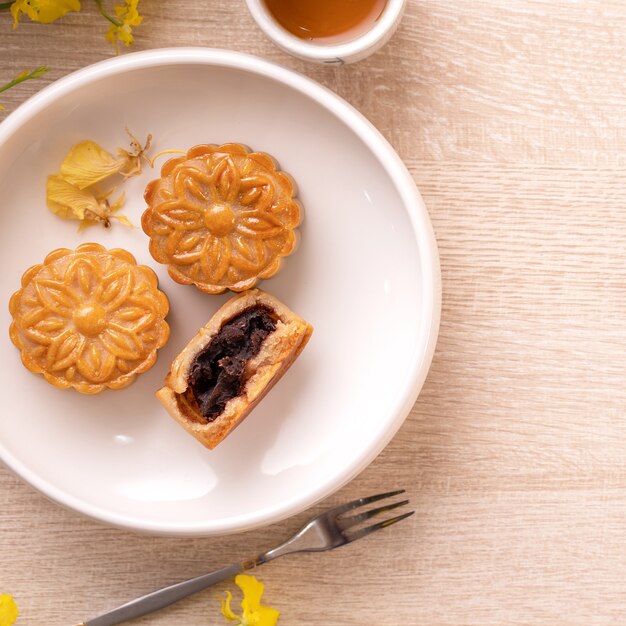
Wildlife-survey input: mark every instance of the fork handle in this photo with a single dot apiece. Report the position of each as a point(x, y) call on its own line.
point(163, 597)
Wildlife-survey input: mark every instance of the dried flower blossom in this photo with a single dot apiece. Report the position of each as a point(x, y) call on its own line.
point(135, 156)
point(8, 610)
point(74, 192)
point(71, 202)
point(43, 11)
point(253, 612)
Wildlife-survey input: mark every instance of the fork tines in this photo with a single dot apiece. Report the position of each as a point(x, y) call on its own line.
point(347, 522)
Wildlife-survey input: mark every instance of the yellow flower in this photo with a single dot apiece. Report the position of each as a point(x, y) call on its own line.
point(8, 610)
point(74, 192)
point(127, 16)
point(87, 206)
point(254, 613)
point(44, 11)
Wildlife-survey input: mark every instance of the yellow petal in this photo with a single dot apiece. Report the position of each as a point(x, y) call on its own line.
point(252, 592)
point(43, 11)
point(254, 614)
point(226, 610)
point(68, 201)
point(8, 610)
point(264, 616)
point(123, 220)
point(118, 204)
point(128, 12)
point(87, 163)
point(128, 15)
point(87, 223)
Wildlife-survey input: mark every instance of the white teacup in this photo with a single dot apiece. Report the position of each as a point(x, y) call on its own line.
point(346, 52)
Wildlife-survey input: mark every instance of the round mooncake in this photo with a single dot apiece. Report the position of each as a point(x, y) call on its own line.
point(89, 318)
point(221, 217)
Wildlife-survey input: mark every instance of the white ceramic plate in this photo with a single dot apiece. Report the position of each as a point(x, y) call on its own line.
point(366, 275)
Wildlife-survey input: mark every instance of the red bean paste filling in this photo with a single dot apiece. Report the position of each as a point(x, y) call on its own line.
point(217, 374)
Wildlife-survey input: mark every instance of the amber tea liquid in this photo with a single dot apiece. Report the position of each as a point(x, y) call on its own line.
point(326, 21)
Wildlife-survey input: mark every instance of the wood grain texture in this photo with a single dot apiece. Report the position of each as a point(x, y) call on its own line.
point(511, 117)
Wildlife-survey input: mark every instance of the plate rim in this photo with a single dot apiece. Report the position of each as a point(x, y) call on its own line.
point(422, 230)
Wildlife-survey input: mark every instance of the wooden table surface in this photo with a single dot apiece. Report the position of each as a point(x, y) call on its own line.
point(511, 115)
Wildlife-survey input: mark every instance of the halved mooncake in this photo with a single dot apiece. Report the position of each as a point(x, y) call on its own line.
point(231, 363)
point(221, 217)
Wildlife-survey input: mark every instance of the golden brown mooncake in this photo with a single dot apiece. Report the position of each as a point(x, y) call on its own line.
point(231, 363)
point(221, 217)
point(89, 318)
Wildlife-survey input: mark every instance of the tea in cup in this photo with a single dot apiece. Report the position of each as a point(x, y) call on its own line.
point(328, 31)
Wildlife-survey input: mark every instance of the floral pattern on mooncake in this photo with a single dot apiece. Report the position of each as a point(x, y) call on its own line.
point(89, 318)
point(221, 217)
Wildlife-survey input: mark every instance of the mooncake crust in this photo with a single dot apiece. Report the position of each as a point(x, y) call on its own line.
point(89, 319)
point(278, 351)
point(221, 217)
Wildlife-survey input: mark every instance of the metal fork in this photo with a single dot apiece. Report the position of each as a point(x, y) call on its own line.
point(330, 529)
